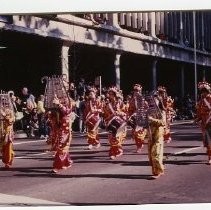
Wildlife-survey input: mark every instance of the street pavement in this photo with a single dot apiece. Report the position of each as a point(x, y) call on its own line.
point(94, 179)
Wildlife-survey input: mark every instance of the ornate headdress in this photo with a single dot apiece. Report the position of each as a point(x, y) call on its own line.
point(204, 85)
point(114, 90)
point(161, 89)
point(92, 89)
point(11, 93)
point(137, 87)
point(120, 94)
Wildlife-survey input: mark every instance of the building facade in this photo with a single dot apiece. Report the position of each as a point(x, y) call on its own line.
point(151, 48)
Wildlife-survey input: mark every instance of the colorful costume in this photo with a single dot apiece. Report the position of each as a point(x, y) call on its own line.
point(93, 108)
point(63, 135)
point(168, 105)
point(115, 120)
point(155, 145)
point(138, 133)
point(53, 123)
point(7, 137)
point(204, 115)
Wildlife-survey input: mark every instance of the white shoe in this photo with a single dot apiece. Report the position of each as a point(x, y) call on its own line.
point(139, 149)
point(168, 140)
point(113, 157)
point(42, 137)
point(120, 154)
point(98, 146)
point(90, 146)
point(66, 167)
point(55, 171)
point(157, 176)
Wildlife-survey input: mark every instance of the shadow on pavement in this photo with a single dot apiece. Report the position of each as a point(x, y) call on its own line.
point(101, 204)
point(111, 176)
point(183, 162)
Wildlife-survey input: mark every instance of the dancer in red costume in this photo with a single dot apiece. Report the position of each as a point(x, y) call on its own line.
point(53, 122)
point(93, 108)
point(138, 133)
point(115, 120)
point(63, 135)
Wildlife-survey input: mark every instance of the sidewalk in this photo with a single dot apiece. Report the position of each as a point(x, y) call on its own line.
point(15, 200)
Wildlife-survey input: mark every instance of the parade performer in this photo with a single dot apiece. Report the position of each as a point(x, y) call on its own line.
point(156, 124)
point(124, 108)
point(60, 114)
point(63, 135)
point(115, 120)
point(138, 132)
point(155, 145)
point(169, 111)
point(203, 112)
point(52, 121)
point(7, 136)
point(93, 108)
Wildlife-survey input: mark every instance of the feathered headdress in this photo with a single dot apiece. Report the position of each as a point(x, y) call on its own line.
point(204, 85)
point(114, 90)
point(161, 89)
point(137, 87)
point(92, 89)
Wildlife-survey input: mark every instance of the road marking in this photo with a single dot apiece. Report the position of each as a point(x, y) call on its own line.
point(15, 200)
point(181, 123)
point(41, 140)
point(28, 142)
point(25, 157)
point(187, 150)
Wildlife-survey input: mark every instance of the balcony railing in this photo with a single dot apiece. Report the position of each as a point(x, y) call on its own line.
point(174, 27)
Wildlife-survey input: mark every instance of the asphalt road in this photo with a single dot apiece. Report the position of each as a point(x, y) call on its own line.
point(94, 179)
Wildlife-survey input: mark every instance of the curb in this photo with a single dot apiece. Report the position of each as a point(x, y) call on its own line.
point(15, 200)
point(183, 122)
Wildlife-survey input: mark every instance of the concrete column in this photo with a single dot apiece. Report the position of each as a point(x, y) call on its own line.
point(181, 29)
point(65, 60)
point(117, 69)
point(154, 75)
point(202, 30)
point(157, 22)
point(113, 17)
point(182, 81)
point(204, 74)
point(152, 24)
